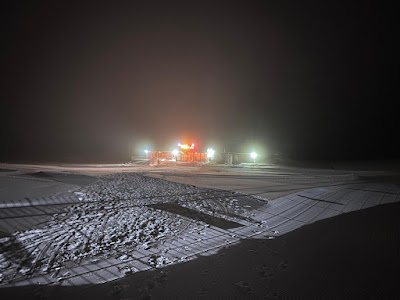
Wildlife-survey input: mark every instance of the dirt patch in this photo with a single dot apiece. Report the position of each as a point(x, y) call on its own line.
point(6, 170)
point(196, 215)
point(67, 178)
point(40, 175)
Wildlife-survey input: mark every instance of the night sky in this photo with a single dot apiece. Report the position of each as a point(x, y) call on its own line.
point(85, 82)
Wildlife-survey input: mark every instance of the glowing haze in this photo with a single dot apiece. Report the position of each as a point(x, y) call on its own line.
point(101, 82)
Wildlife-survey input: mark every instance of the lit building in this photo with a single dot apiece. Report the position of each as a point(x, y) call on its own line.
point(185, 153)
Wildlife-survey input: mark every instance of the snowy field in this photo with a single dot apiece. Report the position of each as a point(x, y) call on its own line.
point(60, 226)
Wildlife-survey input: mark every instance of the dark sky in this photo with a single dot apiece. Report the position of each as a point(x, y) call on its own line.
point(100, 81)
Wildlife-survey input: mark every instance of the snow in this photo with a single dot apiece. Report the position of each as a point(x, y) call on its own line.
point(114, 225)
point(113, 219)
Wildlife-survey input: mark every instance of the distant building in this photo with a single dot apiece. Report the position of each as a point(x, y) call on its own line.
point(234, 158)
point(185, 154)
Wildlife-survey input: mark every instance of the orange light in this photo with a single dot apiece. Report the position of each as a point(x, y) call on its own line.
point(185, 146)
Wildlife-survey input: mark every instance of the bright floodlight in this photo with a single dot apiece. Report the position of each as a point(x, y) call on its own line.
point(146, 151)
point(253, 156)
point(210, 153)
point(175, 152)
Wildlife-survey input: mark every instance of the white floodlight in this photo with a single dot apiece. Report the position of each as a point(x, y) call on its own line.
point(175, 152)
point(210, 153)
point(253, 156)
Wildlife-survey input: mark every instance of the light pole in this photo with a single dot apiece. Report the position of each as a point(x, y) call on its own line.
point(210, 153)
point(175, 154)
point(253, 156)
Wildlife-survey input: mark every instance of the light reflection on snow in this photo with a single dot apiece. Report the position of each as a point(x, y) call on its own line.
point(113, 220)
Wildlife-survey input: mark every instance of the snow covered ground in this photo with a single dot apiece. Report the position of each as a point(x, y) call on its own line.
point(113, 219)
point(112, 226)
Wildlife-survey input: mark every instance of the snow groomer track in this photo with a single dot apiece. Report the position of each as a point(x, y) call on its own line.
point(126, 223)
